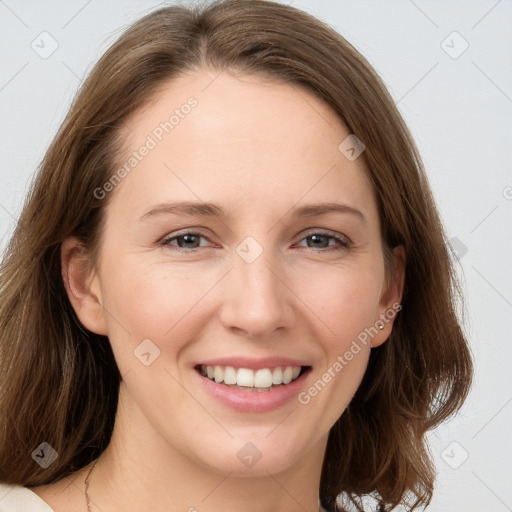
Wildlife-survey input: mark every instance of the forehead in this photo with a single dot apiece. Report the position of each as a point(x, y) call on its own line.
point(244, 137)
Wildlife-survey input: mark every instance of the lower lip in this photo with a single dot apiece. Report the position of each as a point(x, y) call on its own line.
point(253, 401)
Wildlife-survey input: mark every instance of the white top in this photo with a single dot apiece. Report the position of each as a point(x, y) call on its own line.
point(15, 498)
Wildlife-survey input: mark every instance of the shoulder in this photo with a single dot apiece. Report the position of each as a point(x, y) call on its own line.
point(16, 498)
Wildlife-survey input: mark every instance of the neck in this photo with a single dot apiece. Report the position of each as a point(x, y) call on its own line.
point(140, 471)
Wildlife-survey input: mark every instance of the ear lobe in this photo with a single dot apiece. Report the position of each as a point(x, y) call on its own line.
point(82, 285)
point(389, 304)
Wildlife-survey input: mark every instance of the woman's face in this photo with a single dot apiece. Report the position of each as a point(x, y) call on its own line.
point(248, 279)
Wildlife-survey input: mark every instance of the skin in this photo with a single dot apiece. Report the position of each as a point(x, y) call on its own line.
point(258, 148)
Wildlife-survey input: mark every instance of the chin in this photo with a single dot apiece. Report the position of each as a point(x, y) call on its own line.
point(259, 455)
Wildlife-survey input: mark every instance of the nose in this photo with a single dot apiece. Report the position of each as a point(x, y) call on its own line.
point(257, 299)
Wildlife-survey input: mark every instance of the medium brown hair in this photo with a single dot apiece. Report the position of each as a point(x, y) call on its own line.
point(59, 382)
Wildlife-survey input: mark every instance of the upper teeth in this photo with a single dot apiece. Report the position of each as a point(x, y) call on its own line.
point(263, 378)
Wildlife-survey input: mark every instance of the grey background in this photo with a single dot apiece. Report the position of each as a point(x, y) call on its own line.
point(459, 109)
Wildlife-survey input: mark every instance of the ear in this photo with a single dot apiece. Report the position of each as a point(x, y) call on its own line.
point(389, 304)
point(82, 285)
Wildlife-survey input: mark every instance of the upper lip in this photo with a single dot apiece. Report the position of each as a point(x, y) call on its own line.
point(253, 363)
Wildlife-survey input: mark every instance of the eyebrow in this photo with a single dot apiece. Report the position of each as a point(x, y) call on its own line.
point(203, 209)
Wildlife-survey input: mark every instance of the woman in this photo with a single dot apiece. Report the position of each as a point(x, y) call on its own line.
point(293, 359)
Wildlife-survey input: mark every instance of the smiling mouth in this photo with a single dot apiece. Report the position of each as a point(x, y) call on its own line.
point(246, 379)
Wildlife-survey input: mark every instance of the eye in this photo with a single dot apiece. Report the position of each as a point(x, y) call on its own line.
point(319, 238)
point(186, 242)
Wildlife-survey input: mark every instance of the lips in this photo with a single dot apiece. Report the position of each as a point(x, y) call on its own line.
point(253, 385)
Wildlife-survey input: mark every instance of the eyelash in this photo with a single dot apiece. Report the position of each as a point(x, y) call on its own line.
point(344, 242)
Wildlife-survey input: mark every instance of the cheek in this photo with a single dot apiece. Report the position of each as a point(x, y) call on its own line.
point(345, 303)
point(154, 300)
point(342, 298)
